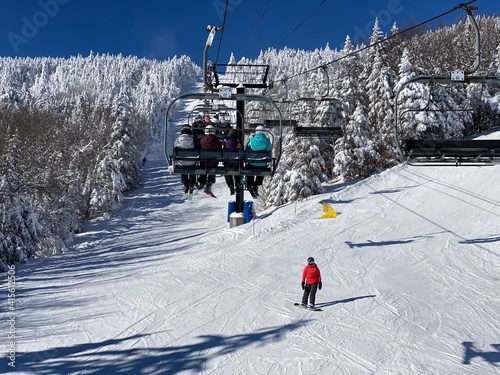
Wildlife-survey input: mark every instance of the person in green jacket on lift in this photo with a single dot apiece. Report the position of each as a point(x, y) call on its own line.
point(258, 142)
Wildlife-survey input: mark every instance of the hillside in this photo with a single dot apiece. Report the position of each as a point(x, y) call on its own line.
point(410, 268)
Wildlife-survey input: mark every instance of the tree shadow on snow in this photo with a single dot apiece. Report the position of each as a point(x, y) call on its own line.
point(347, 300)
point(108, 357)
point(492, 357)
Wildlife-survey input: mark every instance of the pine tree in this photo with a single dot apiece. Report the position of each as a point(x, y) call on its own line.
point(494, 100)
point(411, 98)
point(300, 173)
point(19, 227)
point(349, 70)
point(356, 155)
point(380, 86)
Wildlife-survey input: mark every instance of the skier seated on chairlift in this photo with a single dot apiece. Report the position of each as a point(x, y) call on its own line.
point(186, 141)
point(207, 120)
point(233, 143)
point(215, 120)
point(209, 142)
point(198, 125)
point(258, 142)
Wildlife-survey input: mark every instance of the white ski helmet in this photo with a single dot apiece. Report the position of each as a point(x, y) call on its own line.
point(210, 129)
point(260, 129)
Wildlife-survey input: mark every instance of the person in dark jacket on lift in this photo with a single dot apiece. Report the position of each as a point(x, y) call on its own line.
point(209, 142)
point(311, 282)
point(233, 143)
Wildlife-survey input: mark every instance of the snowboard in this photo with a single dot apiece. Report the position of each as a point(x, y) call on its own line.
point(307, 308)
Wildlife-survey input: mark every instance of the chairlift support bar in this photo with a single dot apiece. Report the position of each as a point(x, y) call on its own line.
point(309, 131)
point(222, 156)
point(275, 123)
point(214, 86)
point(318, 131)
point(470, 15)
point(255, 85)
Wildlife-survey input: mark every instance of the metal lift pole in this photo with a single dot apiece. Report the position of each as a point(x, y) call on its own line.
point(240, 106)
point(211, 30)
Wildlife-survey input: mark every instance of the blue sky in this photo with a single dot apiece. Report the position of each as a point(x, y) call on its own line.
point(159, 29)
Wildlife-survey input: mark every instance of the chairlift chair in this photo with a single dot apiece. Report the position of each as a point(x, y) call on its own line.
point(449, 151)
point(333, 132)
point(243, 157)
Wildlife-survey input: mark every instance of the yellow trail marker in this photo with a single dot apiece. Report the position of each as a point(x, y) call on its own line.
point(328, 211)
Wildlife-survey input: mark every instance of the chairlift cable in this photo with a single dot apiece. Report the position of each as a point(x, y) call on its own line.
point(300, 24)
point(380, 41)
point(222, 32)
point(256, 26)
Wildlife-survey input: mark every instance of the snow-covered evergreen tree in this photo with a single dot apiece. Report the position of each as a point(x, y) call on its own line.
point(357, 155)
point(494, 99)
point(347, 76)
point(411, 98)
point(380, 86)
point(369, 59)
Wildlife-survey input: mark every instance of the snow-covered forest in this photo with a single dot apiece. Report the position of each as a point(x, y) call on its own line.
point(75, 131)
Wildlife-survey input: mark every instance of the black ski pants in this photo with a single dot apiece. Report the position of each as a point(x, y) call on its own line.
point(188, 180)
point(310, 292)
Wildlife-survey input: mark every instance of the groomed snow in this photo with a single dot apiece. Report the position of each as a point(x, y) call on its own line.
point(410, 266)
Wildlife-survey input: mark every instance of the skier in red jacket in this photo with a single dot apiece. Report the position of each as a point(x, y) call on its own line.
point(311, 282)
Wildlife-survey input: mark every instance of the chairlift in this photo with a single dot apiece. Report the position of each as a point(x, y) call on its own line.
point(221, 86)
point(219, 89)
point(243, 157)
point(449, 151)
point(333, 132)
